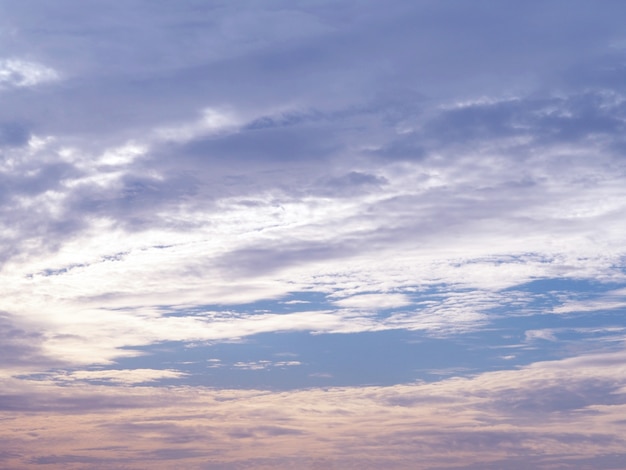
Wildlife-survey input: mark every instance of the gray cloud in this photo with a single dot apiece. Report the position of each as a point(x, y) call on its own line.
point(20, 347)
point(561, 398)
point(325, 54)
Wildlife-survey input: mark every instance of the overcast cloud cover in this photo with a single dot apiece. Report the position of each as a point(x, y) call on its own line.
point(312, 234)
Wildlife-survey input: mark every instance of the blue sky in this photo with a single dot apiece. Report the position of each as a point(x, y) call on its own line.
point(312, 234)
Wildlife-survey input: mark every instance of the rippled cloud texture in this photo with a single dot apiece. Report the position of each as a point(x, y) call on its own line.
point(297, 234)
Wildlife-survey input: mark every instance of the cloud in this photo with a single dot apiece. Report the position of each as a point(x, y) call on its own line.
point(609, 301)
point(20, 73)
point(21, 347)
point(375, 301)
point(264, 364)
point(547, 335)
point(549, 410)
point(205, 173)
point(116, 376)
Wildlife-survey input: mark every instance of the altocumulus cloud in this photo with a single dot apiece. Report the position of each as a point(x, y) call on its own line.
point(209, 205)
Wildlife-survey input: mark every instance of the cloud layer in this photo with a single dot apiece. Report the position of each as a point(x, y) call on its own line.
point(202, 202)
point(569, 412)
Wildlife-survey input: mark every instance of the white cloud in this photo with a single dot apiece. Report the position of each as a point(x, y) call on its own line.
point(545, 334)
point(123, 155)
point(21, 73)
point(109, 282)
point(211, 122)
point(208, 178)
point(264, 364)
point(610, 300)
point(374, 302)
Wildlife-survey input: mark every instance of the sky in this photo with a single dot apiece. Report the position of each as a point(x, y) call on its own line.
point(297, 234)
